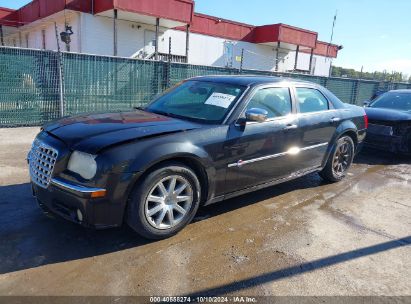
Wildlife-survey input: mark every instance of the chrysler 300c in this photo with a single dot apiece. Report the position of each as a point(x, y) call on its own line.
point(205, 140)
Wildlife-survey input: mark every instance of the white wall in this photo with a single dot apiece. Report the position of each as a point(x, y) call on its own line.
point(322, 65)
point(208, 50)
point(178, 42)
point(35, 36)
point(96, 35)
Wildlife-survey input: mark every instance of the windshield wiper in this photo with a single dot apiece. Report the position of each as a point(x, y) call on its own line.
point(172, 115)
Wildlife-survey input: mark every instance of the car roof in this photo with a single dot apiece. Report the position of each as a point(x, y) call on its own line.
point(401, 91)
point(250, 80)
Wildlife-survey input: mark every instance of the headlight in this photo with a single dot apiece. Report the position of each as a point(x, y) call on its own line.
point(83, 164)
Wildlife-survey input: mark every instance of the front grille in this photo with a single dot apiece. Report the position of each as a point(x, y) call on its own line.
point(42, 159)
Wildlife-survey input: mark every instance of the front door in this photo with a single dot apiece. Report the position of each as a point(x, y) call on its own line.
point(259, 152)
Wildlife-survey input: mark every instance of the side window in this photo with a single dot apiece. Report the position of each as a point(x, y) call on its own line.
point(276, 101)
point(311, 100)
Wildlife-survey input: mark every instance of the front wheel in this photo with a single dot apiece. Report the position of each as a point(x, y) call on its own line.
point(164, 202)
point(340, 160)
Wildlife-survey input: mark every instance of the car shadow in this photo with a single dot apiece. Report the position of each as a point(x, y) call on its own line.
point(299, 269)
point(370, 156)
point(30, 239)
point(306, 182)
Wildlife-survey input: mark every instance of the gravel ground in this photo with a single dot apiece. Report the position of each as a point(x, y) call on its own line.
point(303, 237)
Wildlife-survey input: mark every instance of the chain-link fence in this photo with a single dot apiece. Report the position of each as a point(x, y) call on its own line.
point(37, 86)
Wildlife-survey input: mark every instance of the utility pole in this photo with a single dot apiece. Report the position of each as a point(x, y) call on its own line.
point(187, 41)
point(115, 33)
point(157, 34)
point(296, 57)
point(311, 61)
point(277, 55)
point(242, 61)
point(1, 35)
point(331, 41)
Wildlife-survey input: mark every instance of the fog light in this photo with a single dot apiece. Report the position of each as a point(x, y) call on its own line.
point(79, 215)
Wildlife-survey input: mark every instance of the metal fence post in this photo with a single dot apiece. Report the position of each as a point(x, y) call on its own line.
point(355, 92)
point(242, 61)
point(325, 85)
point(61, 74)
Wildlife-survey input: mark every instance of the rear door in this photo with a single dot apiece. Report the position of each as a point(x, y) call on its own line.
point(317, 123)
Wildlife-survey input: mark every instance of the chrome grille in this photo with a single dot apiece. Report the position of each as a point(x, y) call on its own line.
point(42, 159)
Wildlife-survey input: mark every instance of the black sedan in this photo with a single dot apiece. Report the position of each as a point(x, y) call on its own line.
point(390, 122)
point(206, 140)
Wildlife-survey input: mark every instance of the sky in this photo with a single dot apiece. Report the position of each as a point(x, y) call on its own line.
point(375, 33)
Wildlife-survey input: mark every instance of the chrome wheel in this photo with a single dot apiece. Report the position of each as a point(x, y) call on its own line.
point(168, 202)
point(342, 158)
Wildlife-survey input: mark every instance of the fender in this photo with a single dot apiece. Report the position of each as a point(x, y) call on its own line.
point(167, 151)
point(344, 127)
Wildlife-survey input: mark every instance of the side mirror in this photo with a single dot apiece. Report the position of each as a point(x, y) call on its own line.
point(366, 103)
point(256, 114)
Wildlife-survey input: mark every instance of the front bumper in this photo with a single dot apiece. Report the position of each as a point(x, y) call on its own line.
point(60, 193)
point(76, 204)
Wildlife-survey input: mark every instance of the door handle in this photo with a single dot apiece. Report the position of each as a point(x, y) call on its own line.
point(290, 127)
point(335, 119)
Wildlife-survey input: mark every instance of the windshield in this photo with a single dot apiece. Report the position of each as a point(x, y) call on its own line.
point(393, 100)
point(200, 101)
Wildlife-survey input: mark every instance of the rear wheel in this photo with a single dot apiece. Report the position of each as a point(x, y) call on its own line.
point(340, 160)
point(165, 202)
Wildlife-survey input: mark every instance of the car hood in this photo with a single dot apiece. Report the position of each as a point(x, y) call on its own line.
point(92, 133)
point(382, 114)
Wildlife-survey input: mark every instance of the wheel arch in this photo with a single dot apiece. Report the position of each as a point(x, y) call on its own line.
point(191, 161)
point(347, 128)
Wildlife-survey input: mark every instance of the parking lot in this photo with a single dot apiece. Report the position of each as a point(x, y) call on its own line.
point(303, 237)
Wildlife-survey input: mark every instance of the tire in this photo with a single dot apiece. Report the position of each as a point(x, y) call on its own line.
point(340, 160)
point(157, 212)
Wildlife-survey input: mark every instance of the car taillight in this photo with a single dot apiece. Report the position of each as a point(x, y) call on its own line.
point(366, 121)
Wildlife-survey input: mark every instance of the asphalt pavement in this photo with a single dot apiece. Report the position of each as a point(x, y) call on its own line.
point(303, 237)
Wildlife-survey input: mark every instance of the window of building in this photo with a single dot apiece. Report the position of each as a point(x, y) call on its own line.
point(311, 100)
point(276, 101)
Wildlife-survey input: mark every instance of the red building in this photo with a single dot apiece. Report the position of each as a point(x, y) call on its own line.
point(147, 28)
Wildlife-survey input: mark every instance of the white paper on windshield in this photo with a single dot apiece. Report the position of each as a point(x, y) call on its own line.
point(220, 100)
